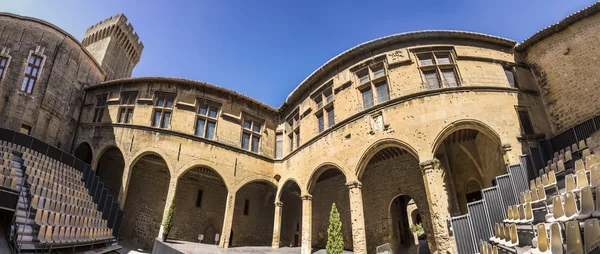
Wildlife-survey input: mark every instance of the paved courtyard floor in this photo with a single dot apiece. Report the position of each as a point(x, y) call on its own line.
point(200, 248)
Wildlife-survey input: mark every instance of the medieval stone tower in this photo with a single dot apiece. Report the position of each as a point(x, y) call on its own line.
point(115, 45)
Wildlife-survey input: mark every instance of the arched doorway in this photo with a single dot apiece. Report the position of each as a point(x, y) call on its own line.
point(110, 167)
point(200, 202)
point(291, 215)
point(252, 223)
point(471, 154)
point(146, 197)
point(391, 180)
point(406, 227)
point(83, 152)
point(328, 186)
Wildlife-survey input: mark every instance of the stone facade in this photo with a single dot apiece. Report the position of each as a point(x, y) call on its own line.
point(564, 60)
point(50, 110)
point(407, 126)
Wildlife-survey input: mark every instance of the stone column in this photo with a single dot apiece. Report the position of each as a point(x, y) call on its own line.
point(229, 208)
point(438, 235)
point(168, 201)
point(306, 224)
point(359, 242)
point(277, 225)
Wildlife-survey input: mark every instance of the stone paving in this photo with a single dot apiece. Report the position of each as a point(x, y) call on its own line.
point(200, 248)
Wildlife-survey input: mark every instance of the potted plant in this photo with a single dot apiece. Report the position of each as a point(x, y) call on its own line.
point(418, 230)
point(168, 222)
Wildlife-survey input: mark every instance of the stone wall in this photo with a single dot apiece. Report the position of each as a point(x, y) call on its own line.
point(325, 193)
point(291, 220)
point(147, 195)
point(52, 109)
point(382, 183)
point(256, 227)
point(565, 65)
point(189, 220)
point(110, 170)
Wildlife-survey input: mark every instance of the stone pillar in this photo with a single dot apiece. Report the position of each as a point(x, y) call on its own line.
point(438, 235)
point(229, 208)
point(168, 201)
point(359, 242)
point(306, 224)
point(277, 225)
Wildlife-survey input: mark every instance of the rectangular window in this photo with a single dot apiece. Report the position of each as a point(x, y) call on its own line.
point(291, 141)
point(297, 135)
point(378, 72)
point(126, 106)
point(321, 120)
point(510, 76)
point(364, 77)
point(251, 134)
point(199, 199)
point(433, 82)
point(25, 129)
point(3, 63)
point(206, 119)
point(382, 92)
point(163, 108)
point(367, 97)
point(246, 207)
point(439, 69)
point(525, 121)
point(278, 146)
point(99, 109)
point(449, 77)
point(330, 117)
point(31, 73)
point(294, 135)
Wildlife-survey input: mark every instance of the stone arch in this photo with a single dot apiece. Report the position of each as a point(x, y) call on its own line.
point(286, 183)
point(195, 164)
point(100, 150)
point(151, 150)
point(400, 218)
point(84, 152)
point(253, 217)
point(316, 173)
point(201, 192)
point(378, 146)
point(110, 167)
point(464, 124)
point(149, 172)
point(468, 149)
point(255, 178)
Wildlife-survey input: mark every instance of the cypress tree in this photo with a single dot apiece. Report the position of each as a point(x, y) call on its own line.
point(335, 241)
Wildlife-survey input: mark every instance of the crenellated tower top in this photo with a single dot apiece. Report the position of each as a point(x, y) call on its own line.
point(115, 45)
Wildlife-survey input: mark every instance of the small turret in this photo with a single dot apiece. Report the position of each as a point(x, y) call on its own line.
point(115, 45)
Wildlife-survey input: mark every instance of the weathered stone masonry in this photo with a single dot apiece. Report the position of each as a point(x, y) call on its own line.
point(400, 130)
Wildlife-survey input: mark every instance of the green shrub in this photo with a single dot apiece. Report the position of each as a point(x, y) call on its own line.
point(335, 241)
point(417, 229)
point(169, 221)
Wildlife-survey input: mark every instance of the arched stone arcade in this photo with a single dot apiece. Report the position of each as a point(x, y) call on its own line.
point(146, 199)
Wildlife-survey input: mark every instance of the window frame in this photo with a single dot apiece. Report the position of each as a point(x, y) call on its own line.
point(324, 100)
point(128, 107)
point(4, 68)
point(25, 86)
point(434, 55)
point(251, 133)
point(514, 76)
point(527, 111)
point(378, 74)
point(278, 145)
point(162, 109)
point(207, 118)
point(293, 121)
point(99, 109)
point(199, 198)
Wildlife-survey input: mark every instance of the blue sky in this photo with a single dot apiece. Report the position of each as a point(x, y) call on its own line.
point(264, 49)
